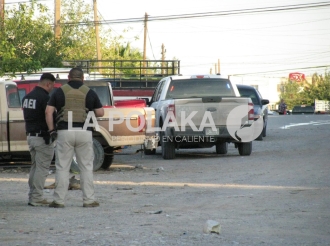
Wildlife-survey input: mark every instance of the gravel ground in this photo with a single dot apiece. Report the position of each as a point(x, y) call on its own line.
point(277, 196)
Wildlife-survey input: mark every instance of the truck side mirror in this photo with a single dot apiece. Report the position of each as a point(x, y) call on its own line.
point(264, 101)
point(147, 100)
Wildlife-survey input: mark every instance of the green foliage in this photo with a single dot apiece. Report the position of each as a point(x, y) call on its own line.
point(27, 40)
point(79, 41)
point(293, 94)
point(320, 88)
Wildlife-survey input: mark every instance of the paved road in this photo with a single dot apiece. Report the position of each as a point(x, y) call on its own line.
point(277, 196)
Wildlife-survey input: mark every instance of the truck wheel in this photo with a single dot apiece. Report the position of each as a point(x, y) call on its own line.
point(264, 131)
point(168, 145)
point(221, 148)
point(98, 158)
point(149, 151)
point(108, 158)
point(244, 148)
point(259, 138)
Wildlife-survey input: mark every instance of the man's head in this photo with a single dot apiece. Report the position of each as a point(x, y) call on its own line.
point(47, 81)
point(76, 73)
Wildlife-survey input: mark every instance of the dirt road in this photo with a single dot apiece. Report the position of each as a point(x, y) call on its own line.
point(277, 196)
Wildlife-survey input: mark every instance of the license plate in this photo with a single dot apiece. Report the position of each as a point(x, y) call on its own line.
point(210, 131)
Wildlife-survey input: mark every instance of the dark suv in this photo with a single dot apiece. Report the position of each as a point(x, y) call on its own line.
point(260, 105)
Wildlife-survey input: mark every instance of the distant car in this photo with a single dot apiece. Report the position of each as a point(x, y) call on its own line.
point(303, 109)
point(260, 105)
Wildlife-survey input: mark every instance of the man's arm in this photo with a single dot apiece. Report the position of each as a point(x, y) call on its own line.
point(49, 117)
point(99, 112)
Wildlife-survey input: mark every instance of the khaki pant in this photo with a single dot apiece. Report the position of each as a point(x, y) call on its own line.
point(69, 143)
point(41, 158)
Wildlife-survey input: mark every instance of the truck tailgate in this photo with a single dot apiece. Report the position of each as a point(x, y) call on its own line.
point(218, 107)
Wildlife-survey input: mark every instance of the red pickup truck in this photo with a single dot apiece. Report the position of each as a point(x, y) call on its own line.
point(107, 140)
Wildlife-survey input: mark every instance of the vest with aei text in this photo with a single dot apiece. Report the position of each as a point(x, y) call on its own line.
point(75, 101)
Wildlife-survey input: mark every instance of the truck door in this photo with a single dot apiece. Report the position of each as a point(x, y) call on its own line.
point(154, 103)
point(15, 125)
point(125, 126)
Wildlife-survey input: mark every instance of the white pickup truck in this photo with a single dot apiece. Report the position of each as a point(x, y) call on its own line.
point(118, 127)
point(193, 111)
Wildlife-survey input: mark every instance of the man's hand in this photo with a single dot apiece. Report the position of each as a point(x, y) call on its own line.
point(53, 135)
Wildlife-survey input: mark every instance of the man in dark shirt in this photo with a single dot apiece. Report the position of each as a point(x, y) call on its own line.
point(77, 99)
point(41, 149)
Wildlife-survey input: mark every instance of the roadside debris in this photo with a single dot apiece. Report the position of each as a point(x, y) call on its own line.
point(124, 188)
point(212, 226)
point(154, 212)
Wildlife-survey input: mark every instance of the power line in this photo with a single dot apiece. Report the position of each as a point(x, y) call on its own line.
point(283, 70)
point(211, 14)
point(151, 46)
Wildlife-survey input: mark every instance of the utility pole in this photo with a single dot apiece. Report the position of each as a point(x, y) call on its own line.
point(163, 58)
point(2, 13)
point(145, 42)
point(98, 48)
point(57, 27)
point(219, 66)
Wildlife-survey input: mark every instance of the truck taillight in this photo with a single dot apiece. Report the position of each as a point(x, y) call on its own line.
point(142, 123)
point(251, 111)
point(171, 108)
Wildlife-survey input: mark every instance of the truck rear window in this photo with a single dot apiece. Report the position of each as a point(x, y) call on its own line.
point(13, 98)
point(189, 88)
point(103, 93)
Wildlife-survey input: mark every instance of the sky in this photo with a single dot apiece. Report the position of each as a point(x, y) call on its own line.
point(265, 44)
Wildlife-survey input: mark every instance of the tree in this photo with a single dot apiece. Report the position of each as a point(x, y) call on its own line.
point(27, 40)
point(27, 43)
point(291, 93)
point(79, 40)
point(320, 88)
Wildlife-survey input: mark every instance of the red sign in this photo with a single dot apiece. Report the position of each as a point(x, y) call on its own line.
point(298, 77)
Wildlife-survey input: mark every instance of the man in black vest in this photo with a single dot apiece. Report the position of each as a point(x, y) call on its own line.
point(40, 145)
point(76, 99)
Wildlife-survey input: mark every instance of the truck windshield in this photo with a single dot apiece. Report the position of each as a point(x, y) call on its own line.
point(189, 88)
point(12, 96)
point(251, 93)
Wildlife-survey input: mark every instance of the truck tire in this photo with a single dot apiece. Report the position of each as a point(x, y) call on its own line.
point(149, 151)
point(264, 131)
point(221, 148)
point(98, 158)
point(108, 158)
point(168, 146)
point(244, 148)
point(259, 138)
